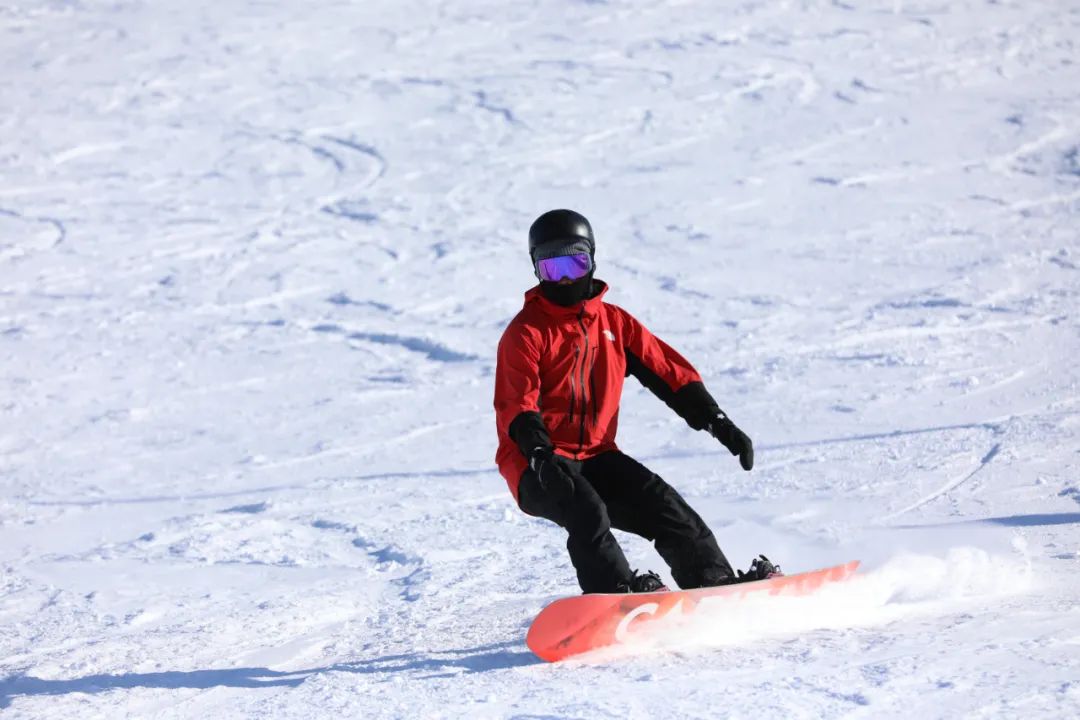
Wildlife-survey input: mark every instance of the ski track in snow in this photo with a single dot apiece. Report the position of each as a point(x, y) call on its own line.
point(255, 260)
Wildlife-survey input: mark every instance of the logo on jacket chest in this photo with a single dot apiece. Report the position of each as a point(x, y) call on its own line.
point(609, 335)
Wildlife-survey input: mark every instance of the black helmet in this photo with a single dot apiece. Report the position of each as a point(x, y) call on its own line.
point(560, 232)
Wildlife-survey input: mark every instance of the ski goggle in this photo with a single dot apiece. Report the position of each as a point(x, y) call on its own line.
point(574, 266)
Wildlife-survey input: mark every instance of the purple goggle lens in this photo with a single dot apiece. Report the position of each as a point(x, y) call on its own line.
point(555, 269)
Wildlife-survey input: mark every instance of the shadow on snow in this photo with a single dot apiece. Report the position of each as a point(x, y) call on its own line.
point(439, 663)
point(1032, 520)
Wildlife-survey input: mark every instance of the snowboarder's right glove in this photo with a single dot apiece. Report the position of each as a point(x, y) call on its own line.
point(733, 439)
point(554, 473)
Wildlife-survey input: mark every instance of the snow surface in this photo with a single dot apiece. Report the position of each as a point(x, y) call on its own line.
point(255, 258)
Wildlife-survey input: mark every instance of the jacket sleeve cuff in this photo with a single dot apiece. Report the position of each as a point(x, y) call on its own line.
point(695, 405)
point(529, 432)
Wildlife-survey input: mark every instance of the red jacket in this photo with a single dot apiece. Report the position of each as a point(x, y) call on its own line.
point(568, 364)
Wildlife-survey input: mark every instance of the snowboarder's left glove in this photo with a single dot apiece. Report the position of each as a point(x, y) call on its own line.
point(733, 439)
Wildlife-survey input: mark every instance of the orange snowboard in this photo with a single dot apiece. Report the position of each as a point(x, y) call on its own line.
point(574, 625)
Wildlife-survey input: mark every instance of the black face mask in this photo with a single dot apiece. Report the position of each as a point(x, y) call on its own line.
point(569, 294)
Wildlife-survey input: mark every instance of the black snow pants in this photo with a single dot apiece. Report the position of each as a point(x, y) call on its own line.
point(622, 493)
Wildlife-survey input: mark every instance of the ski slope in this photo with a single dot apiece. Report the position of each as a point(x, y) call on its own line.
point(255, 259)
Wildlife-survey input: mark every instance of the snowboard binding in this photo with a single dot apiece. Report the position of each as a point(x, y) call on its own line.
point(645, 582)
point(761, 568)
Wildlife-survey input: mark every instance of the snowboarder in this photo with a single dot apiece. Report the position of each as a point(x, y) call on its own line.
point(558, 383)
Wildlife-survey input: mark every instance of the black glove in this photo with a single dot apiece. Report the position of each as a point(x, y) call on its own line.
point(554, 473)
point(733, 439)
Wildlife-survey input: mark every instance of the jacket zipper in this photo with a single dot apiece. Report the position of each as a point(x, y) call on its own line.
point(584, 398)
point(592, 386)
point(573, 395)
